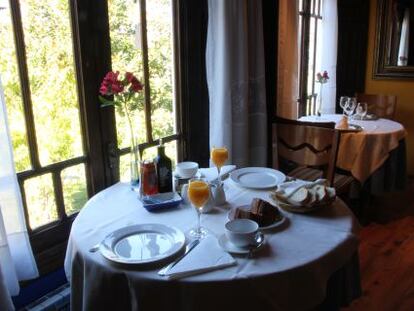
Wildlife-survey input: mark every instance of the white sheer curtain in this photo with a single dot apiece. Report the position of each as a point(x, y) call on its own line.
point(404, 40)
point(329, 48)
point(16, 257)
point(236, 80)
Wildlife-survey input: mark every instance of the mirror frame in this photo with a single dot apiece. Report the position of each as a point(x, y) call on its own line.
point(380, 69)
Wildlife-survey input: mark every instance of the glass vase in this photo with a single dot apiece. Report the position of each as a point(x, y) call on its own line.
point(134, 165)
point(319, 111)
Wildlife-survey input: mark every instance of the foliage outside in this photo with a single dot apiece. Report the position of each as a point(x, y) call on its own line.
point(52, 78)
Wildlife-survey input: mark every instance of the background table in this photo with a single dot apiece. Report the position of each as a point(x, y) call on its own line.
point(363, 153)
point(290, 273)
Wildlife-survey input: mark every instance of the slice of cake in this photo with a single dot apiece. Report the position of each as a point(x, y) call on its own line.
point(264, 213)
point(242, 213)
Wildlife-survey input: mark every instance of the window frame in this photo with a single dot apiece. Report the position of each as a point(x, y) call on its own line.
point(92, 60)
point(307, 103)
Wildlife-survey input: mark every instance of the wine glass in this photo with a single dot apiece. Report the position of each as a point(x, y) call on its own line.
point(362, 110)
point(350, 106)
point(219, 156)
point(198, 194)
point(343, 102)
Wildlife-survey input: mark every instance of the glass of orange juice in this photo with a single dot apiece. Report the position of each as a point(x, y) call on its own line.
point(219, 156)
point(198, 194)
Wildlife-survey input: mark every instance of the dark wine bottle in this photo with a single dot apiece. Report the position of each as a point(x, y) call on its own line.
point(164, 170)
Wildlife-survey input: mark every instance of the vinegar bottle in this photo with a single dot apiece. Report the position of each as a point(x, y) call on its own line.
point(164, 169)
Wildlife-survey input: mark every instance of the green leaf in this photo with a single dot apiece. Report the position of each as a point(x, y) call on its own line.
point(105, 102)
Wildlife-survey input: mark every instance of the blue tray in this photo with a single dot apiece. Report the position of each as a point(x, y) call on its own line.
point(161, 201)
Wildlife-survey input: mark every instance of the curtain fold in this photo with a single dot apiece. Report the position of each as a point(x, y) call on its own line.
point(236, 80)
point(329, 51)
point(288, 60)
point(16, 257)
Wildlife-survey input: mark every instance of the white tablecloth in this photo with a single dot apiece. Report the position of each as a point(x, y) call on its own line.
point(362, 153)
point(289, 273)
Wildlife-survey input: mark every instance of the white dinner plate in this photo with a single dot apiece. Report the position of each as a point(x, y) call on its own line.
point(257, 177)
point(142, 244)
point(225, 244)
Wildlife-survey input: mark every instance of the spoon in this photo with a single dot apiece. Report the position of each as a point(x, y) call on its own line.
point(259, 242)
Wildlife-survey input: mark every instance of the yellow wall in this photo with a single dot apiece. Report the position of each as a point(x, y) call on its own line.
point(404, 89)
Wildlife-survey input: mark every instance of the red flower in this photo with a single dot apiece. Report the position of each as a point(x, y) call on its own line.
point(318, 76)
point(111, 85)
point(136, 85)
point(325, 75)
point(103, 89)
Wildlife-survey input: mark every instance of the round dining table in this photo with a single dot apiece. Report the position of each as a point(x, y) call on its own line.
point(290, 272)
point(364, 150)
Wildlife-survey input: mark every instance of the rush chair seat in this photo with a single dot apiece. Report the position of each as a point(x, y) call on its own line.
point(312, 149)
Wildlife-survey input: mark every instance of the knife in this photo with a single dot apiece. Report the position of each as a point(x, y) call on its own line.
point(188, 249)
point(224, 176)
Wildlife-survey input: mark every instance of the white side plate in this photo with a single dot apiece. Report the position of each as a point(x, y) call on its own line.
point(257, 177)
point(142, 244)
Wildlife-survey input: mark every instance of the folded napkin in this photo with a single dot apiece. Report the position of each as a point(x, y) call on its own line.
point(211, 173)
point(206, 256)
point(343, 123)
point(288, 188)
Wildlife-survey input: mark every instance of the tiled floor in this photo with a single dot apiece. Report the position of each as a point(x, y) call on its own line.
point(57, 300)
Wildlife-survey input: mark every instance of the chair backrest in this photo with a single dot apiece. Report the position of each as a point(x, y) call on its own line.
point(306, 145)
point(384, 106)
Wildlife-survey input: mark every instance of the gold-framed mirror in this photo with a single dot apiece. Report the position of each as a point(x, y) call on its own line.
point(394, 48)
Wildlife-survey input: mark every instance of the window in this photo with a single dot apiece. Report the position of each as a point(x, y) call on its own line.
point(54, 55)
point(310, 20)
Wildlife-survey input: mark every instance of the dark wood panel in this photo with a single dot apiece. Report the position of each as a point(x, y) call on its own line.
point(270, 36)
point(194, 93)
point(353, 19)
point(93, 59)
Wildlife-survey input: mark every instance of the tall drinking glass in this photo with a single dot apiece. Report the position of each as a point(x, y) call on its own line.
point(198, 194)
point(219, 156)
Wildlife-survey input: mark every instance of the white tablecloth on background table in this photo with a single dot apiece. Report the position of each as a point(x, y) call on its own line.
point(289, 273)
point(362, 153)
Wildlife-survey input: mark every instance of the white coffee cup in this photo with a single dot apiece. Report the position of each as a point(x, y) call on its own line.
point(242, 232)
point(186, 169)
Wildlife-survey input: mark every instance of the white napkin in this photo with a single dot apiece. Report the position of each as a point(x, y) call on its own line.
point(290, 187)
point(206, 256)
point(211, 173)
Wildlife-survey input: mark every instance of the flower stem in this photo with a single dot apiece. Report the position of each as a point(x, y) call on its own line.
point(134, 143)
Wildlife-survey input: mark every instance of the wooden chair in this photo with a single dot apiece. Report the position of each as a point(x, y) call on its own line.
point(313, 149)
point(384, 106)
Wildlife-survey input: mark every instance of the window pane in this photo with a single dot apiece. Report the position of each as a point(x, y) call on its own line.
point(49, 52)
point(40, 200)
point(124, 24)
point(170, 151)
point(160, 54)
point(12, 93)
point(312, 46)
point(74, 188)
point(124, 168)
point(318, 6)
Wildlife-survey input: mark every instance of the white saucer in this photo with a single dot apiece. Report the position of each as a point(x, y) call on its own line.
point(231, 248)
point(196, 175)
